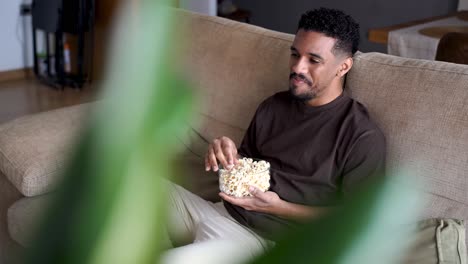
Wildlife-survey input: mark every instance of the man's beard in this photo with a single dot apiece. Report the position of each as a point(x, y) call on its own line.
point(303, 97)
point(306, 96)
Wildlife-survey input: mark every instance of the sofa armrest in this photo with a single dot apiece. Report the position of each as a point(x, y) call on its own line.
point(34, 148)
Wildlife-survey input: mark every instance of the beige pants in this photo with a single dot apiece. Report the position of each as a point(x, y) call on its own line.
point(214, 236)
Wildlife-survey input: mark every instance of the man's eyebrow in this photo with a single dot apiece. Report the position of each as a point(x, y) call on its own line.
point(315, 55)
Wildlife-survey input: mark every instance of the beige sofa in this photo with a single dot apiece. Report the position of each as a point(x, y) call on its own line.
point(422, 107)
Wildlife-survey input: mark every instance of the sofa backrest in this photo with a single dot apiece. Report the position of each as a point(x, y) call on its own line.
point(422, 108)
point(235, 66)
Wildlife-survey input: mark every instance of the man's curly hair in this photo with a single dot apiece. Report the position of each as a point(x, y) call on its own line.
point(335, 24)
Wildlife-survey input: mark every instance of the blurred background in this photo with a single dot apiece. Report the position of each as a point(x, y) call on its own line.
point(17, 37)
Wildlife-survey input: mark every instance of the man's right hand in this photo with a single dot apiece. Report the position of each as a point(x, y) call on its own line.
point(222, 149)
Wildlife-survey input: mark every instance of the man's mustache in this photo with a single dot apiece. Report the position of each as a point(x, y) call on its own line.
point(301, 77)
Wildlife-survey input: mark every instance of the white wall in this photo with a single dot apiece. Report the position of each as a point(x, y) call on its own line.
point(208, 7)
point(15, 36)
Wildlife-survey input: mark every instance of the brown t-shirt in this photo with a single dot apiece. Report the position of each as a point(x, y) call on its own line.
point(317, 154)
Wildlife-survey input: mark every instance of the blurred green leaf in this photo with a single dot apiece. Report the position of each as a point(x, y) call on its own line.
point(110, 208)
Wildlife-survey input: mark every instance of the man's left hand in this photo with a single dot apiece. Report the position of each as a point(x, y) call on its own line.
point(264, 202)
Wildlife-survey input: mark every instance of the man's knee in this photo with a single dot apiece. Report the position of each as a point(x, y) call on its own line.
point(213, 251)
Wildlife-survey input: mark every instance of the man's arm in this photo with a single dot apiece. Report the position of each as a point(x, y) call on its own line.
point(270, 203)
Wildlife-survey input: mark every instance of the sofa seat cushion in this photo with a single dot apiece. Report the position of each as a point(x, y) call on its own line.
point(437, 240)
point(34, 148)
point(8, 247)
point(25, 216)
point(193, 177)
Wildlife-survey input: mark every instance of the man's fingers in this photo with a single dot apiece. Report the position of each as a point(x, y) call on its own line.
point(212, 159)
point(218, 150)
point(242, 202)
point(229, 157)
point(228, 198)
point(256, 192)
point(220, 156)
point(207, 163)
point(235, 156)
point(222, 150)
point(229, 150)
point(224, 196)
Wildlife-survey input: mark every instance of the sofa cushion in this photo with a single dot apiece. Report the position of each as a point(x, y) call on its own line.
point(437, 241)
point(25, 216)
point(34, 148)
point(422, 108)
point(9, 194)
point(193, 177)
point(190, 162)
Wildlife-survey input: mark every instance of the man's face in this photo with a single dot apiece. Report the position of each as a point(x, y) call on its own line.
point(313, 66)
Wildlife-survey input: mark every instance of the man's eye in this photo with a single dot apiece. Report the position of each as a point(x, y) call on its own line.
point(313, 61)
point(294, 55)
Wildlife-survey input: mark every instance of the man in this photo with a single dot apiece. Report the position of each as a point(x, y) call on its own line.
point(320, 143)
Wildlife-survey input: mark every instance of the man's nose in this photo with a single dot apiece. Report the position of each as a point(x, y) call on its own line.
point(300, 66)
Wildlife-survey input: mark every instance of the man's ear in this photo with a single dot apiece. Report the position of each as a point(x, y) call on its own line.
point(345, 66)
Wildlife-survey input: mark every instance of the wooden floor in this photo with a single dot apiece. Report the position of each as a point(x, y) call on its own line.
point(27, 96)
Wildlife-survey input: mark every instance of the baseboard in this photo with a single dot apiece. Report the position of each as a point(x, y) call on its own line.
point(17, 74)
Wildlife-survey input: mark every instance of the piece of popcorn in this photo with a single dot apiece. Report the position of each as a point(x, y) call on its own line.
point(245, 173)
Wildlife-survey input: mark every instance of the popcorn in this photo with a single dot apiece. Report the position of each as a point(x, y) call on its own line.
point(245, 173)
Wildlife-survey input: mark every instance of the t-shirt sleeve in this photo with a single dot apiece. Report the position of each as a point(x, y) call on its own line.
point(365, 161)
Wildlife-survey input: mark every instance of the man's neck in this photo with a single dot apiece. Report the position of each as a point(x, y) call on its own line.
point(327, 97)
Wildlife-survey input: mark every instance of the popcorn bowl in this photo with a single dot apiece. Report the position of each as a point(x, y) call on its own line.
point(247, 172)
